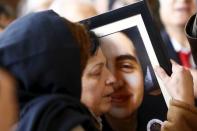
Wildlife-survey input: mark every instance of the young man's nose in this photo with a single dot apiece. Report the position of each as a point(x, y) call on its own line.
point(118, 84)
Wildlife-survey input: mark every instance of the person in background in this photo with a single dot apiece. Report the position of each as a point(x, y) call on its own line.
point(174, 15)
point(6, 16)
point(103, 6)
point(29, 6)
point(74, 10)
point(8, 101)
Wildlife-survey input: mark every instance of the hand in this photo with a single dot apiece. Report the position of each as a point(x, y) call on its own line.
point(8, 101)
point(194, 75)
point(180, 84)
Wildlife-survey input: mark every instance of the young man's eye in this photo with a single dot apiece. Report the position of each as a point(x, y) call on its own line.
point(126, 67)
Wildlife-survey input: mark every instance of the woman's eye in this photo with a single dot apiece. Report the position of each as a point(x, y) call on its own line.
point(96, 73)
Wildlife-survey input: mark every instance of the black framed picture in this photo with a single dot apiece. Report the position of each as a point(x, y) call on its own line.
point(133, 24)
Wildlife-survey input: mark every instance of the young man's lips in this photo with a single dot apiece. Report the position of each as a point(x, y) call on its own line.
point(120, 98)
point(183, 8)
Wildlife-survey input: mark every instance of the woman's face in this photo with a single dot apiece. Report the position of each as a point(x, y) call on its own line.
point(97, 84)
point(176, 12)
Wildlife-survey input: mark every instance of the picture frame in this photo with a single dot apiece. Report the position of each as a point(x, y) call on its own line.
point(136, 22)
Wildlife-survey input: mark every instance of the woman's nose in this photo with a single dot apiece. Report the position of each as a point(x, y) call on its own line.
point(110, 80)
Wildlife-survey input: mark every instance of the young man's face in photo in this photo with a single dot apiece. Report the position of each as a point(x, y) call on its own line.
point(124, 65)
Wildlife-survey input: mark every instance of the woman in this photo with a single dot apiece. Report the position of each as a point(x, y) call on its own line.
point(97, 87)
point(47, 54)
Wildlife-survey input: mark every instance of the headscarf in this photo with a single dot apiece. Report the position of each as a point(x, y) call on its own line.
point(41, 52)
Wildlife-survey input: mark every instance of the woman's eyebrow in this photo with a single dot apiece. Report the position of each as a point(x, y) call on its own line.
point(126, 57)
point(98, 65)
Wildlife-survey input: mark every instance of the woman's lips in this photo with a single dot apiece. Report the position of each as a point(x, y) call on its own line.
point(108, 96)
point(108, 99)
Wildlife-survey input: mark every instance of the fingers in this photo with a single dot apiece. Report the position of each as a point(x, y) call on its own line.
point(176, 67)
point(173, 62)
point(161, 73)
